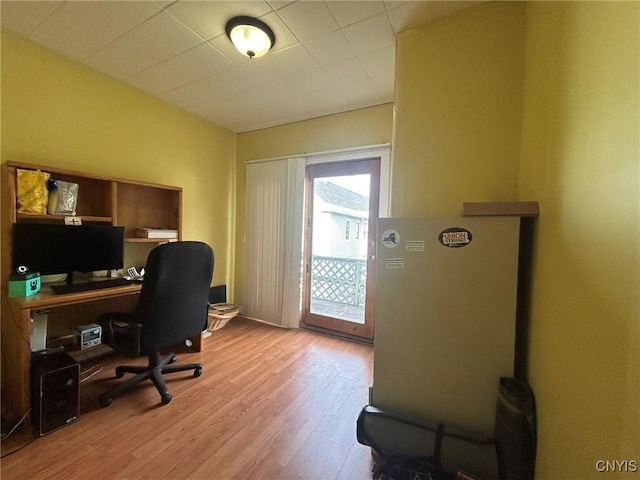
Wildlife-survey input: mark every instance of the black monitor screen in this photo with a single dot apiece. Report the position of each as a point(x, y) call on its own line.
point(51, 249)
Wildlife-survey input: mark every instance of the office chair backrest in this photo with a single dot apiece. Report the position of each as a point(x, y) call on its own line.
point(173, 301)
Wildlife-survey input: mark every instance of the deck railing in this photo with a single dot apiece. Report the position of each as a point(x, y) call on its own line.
point(339, 280)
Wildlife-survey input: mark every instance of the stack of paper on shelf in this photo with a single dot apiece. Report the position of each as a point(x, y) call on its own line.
point(156, 233)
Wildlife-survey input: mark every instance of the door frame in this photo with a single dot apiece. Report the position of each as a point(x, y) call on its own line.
point(345, 168)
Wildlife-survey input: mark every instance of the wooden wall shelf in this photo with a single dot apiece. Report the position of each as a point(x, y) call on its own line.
point(149, 240)
point(23, 217)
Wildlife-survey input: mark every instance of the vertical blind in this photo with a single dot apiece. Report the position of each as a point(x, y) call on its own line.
point(273, 240)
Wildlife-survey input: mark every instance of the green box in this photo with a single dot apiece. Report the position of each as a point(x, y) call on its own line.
point(24, 284)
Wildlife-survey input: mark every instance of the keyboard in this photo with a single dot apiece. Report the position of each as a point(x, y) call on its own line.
point(86, 286)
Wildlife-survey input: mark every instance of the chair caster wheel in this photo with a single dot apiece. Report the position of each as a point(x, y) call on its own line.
point(105, 401)
point(166, 398)
point(197, 372)
point(173, 359)
point(119, 373)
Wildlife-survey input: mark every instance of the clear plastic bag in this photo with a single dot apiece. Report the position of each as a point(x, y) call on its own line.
point(63, 197)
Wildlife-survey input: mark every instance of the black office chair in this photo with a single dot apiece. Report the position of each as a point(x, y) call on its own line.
point(172, 308)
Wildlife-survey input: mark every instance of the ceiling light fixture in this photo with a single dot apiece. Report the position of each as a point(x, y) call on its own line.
point(250, 36)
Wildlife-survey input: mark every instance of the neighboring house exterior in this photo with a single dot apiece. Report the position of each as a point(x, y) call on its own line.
point(340, 221)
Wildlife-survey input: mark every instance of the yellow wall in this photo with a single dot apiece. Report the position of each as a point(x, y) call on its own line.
point(57, 112)
point(459, 87)
point(580, 160)
point(368, 126)
point(541, 102)
point(458, 111)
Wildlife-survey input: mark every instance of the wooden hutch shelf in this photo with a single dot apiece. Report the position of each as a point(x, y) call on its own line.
point(101, 200)
point(23, 217)
point(149, 240)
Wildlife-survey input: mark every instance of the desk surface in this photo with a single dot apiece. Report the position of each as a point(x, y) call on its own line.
point(46, 298)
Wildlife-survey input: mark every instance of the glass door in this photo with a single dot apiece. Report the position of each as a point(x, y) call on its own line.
point(341, 210)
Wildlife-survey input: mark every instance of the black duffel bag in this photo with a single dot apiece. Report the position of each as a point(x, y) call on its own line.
point(412, 448)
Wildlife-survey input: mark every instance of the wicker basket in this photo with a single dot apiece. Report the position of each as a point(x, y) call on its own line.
point(220, 314)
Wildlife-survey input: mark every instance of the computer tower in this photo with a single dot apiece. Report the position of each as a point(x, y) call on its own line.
point(55, 393)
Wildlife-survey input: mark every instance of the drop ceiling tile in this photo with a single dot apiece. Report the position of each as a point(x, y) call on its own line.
point(234, 80)
point(209, 110)
point(244, 90)
point(329, 97)
point(262, 71)
point(276, 4)
point(23, 17)
point(379, 61)
point(224, 45)
point(280, 64)
point(274, 105)
point(223, 84)
point(369, 35)
point(209, 18)
point(244, 120)
point(359, 89)
point(413, 14)
point(239, 124)
point(77, 29)
point(389, 4)
point(303, 82)
point(308, 20)
point(156, 80)
point(329, 48)
point(345, 71)
point(284, 36)
point(246, 99)
point(187, 95)
point(199, 62)
point(158, 39)
point(215, 108)
point(347, 13)
point(385, 84)
point(225, 106)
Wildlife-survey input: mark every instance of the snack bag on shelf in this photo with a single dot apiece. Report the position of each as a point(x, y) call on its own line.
point(32, 194)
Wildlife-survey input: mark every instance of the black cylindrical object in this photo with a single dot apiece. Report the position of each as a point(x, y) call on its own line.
point(515, 430)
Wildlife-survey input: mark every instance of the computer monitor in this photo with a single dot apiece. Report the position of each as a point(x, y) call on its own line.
point(56, 249)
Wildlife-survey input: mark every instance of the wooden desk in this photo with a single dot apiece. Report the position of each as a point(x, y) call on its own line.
point(103, 200)
point(65, 311)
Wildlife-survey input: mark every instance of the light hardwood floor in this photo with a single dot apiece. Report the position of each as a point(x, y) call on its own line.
point(271, 404)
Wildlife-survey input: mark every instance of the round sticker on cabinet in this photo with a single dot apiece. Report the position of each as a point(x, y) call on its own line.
point(390, 238)
point(455, 237)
